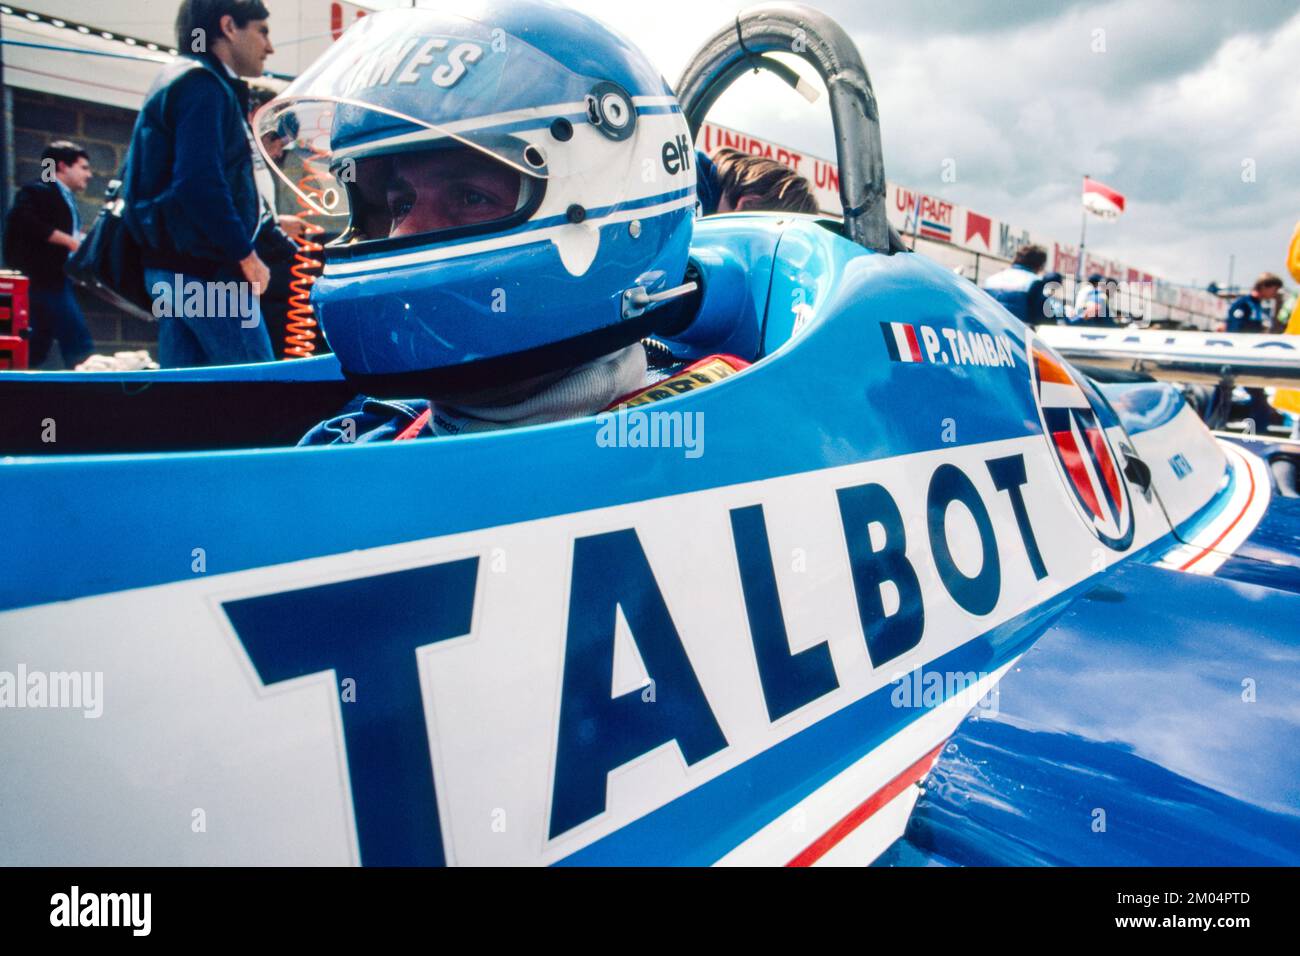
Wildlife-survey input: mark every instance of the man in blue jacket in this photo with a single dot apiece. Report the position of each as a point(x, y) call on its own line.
point(42, 230)
point(191, 197)
point(1020, 288)
point(1247, 313)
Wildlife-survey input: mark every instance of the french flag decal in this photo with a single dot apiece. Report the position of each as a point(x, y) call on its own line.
point(901, 342)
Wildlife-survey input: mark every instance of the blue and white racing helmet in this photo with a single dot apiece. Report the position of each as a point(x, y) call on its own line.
point(513, 181)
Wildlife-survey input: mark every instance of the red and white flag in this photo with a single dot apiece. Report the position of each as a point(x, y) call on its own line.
point(1101, 200)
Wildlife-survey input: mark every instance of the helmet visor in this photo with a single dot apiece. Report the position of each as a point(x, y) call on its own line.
point(411, 80)
point(435, 191)
point(336, 182)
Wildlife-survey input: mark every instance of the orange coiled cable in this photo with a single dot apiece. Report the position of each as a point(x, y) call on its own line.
point(301, 331)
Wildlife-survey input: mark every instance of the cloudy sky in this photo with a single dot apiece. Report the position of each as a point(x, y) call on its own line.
point(1191, 108)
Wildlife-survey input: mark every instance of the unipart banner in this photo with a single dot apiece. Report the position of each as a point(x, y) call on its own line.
point(911, 212)
point(823, 174)
point(928, 218)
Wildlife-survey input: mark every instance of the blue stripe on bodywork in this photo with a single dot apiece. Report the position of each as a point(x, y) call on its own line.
point(702, 826)
point(1268, 556)
point(1203, 516)
point(320, 368)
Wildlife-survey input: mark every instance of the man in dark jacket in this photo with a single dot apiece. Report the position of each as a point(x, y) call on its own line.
point(191, 198)
point(1248, 313)
point(1021, 288)
point(43, 228)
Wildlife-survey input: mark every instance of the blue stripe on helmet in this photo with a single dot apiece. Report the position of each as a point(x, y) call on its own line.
point(549, 221)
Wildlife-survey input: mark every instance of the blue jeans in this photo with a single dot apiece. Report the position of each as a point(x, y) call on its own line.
point(227, 329)
point(56, 315)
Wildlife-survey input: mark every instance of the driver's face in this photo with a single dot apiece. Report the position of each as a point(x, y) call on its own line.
point(275, 146)
point(447, 188)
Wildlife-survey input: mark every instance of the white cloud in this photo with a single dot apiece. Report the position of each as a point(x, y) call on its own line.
point(1025, 111)
point(1013, 92)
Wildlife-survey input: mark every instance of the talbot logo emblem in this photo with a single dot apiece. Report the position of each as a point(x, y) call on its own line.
point(1083, 454)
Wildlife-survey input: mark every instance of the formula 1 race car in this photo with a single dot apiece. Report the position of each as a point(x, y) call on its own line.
point(908, 553)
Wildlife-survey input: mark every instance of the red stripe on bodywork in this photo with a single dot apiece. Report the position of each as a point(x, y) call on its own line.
point(912, 343)
point(1073, 461)
point(860, 814)
point(1213, 544)
point(1102, 454)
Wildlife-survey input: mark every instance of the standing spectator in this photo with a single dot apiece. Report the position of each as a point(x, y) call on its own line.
point(1108, 310)
point(1054, 298)
point(42, 230)
point(1093, 302)
point(1247, 314)
point(192, 201)
point(1020, 288)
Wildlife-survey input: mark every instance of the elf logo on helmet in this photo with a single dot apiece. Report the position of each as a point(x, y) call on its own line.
point(406, 63)
point(676, 155)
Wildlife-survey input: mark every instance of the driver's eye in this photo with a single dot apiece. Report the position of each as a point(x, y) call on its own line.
point(400, 205)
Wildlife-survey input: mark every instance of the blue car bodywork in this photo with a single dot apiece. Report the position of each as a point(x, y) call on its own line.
point(777, 687)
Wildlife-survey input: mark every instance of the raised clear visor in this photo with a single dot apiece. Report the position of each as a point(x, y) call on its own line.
point(416, 80)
